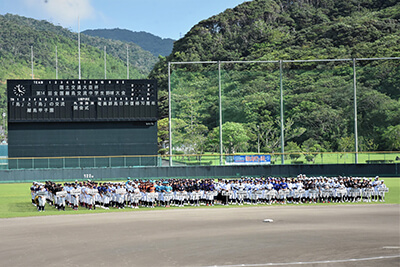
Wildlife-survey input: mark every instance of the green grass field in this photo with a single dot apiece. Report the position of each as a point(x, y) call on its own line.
point(15, 201)
point(321, 158)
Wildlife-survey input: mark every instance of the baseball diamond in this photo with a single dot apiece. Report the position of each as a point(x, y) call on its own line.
point(308, 235)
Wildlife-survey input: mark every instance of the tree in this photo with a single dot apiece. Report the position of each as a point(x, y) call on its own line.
point(234, 138)
point(163, 135)
point(270, 134)
point(196, 137)
point(311, 149)
point(178, 134)
point(346, 144)
point(295, 149)
point(367, 144)
point(392, 137)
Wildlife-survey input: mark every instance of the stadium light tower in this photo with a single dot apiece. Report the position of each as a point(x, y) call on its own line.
point(56, 64)
point(79, 47)
point(282, 123)
point(355, 112)
point(127, 62)
point(32, 60)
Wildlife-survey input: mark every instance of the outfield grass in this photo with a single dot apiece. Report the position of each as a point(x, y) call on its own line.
point(15, 201)
point(320, 158)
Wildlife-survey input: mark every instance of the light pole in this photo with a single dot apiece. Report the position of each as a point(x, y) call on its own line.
point(258, 139)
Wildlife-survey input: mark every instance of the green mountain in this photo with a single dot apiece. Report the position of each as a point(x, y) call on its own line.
point(318, 97)
point(156, 45)
point(18, 34)
point(139, 58)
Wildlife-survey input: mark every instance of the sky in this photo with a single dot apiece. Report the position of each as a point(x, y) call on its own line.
point(164, 18)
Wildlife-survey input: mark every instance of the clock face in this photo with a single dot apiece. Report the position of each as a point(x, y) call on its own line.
point(19, 90)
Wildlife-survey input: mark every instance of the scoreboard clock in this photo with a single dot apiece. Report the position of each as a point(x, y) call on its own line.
point(82, 100)
point(19, 90)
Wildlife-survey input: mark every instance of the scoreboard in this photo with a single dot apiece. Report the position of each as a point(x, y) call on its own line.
point(74, 118)
point(82, 100)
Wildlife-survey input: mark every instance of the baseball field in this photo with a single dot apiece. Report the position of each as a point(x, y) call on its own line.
point(15, 201)
point(309, 235)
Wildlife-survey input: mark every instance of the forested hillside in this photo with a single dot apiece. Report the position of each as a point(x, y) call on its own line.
point(18, 34)
point(318, 97)
point(140, 59)
point(156, 45)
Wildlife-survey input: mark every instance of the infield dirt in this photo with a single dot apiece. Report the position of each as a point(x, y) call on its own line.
point(348, 235)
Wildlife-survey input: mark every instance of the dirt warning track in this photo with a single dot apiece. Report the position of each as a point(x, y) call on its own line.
point(348, 235)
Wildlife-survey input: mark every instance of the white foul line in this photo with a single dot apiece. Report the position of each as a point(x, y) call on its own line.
point(307, 263)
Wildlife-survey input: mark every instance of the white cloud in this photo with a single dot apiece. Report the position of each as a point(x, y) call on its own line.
point(65, 12)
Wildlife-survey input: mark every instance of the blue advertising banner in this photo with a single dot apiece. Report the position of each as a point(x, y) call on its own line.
point(249, 159)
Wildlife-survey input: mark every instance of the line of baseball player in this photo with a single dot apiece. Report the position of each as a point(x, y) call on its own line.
point(195, 192)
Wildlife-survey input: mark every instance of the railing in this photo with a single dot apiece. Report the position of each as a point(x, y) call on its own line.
point(208, 159)
point(79, 162)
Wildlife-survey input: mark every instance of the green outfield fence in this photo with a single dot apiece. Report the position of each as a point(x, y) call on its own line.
point(208, 159)
point(200, 172)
